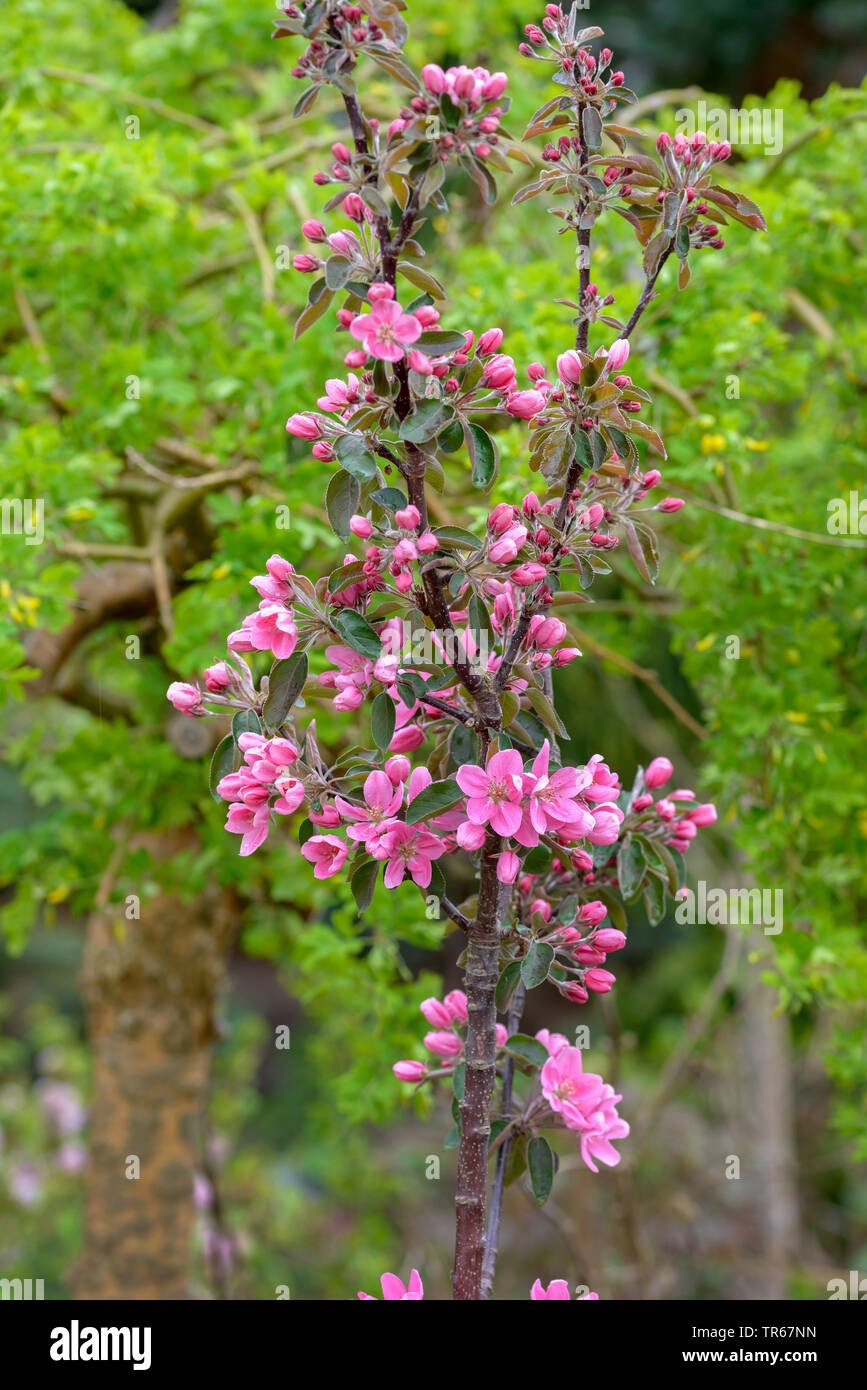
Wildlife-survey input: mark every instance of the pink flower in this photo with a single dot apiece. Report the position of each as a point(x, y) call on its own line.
point(327, 853)
point(557, 1291)
point(599, 981)
point(553, 1042)
point(272, 628)
point(703, 815)
point(394, 1291)
point(410, 1071)
point(251, 824)
point(609, 939)
point(670, 504)
point(603, 1125)
point(407, 848)
point(568, 1090)
point(658, 772)
point(386, 330)
point(381, 800)
point(494, 792)
point(408, 517)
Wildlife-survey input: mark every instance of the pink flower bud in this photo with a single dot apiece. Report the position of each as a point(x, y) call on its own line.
point(651, 478)
point(184, 697)
point(663, 142)
point(427, 543)
point(565, 655)
point(420, 362)
point(642, 802)
point(436, 1013)
point(443, 1044)
point(354, 207)
point(599, 981)
point(542, 907)
point(569, 368)
point(397, 769)
point(577, 993)
point(408, 517)
point(303, 426)
point(524, 405)
point(593, 913)
point(410, 1071)
point(306, 264)
point(313, 230)
point(456, 1003)
point(703, 815)
point(489, 342)
point(618, 354)
point(360, 526)
point(508, 865)
point(658, 772)
point(665, 809)
point(609, 939)
point(670, 504)
point(433, 78)
point(379, 291)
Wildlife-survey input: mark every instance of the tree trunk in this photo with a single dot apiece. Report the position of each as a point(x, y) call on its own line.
point(150, 988)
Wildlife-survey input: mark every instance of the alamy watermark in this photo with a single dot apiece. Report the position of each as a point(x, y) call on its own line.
point(23, 516)
point(724, 907)
point(758, 126)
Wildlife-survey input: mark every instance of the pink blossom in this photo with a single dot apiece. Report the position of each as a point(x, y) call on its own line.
point(570, 1091)
point(552, 1042)
point(251, 824)
point(326, 853)
point(303, 426)
point(599, 981)
point(569, 368)
point(609, 939)
point(703, 815)
point(436, 1013)
point(494, 793)
point(217, 677)
point(508, 865)
point(394, 1291)
point(386, 330)
point(408, 848)
point(618, 354)
point(272, 628)
point(603, 1125)
point(456, 1003)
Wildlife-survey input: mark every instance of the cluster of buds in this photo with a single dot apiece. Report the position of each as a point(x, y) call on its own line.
point(339, 33)
point(557, 40)
point(459, 115)
point(446, 1039)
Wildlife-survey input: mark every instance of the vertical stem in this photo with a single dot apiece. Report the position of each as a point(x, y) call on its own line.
point(489, 1264)
point(475, 1109)
point(583, 250)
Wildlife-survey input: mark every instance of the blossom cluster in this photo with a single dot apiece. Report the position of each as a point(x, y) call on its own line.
point(395, 1291)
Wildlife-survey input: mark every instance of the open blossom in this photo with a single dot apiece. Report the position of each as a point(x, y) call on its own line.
point(395, 1291)
point(494, 792)
point(408, 849)
point(272, 628)
point(251, 824)
point(381, 800)
point(586, 1103)
point(386, 330)
point(326, 853)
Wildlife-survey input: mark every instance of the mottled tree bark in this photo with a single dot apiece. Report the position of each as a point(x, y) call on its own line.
point(150, 988)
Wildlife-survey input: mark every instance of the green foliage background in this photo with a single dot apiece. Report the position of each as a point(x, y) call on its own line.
point(135, 259)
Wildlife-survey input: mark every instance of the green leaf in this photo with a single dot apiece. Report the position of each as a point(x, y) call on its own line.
point(540, 1163)
point(507, 984)
point(427, 420)
point(246, 721)
point(528, 1049)
point(382, 721)
point(355, 457)
point(391, 498)
point(358, 633)
point(592, 128)
point(440, 342)
point(536, 964)
point(654, 899)
point(435, 799)
point(363, 883)
point(459, 1079)
point(631, 867)
point(222, 763)
point(483, 455)
point(451, 438)
point(341, 502)
point(284, 686)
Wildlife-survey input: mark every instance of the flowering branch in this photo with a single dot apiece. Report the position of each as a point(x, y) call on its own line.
point(450, 635)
